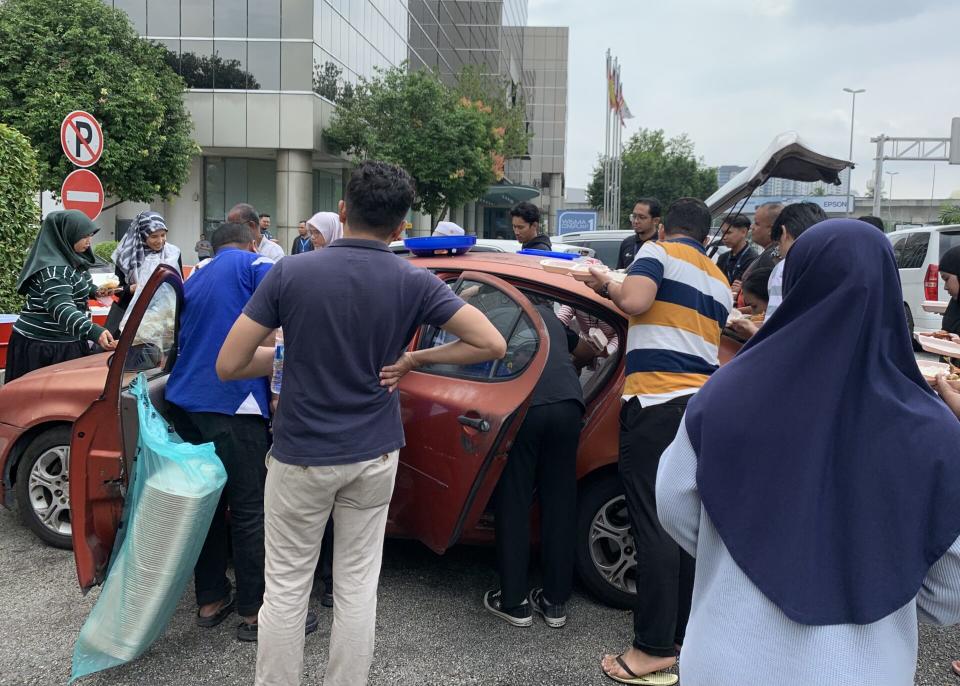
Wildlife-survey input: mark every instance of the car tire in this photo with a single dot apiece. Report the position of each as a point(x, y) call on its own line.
point(606, 559)
point(43, 489)
point(913, 341)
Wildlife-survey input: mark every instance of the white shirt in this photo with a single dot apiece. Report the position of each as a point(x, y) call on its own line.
point(775, 289)
point(268, 248)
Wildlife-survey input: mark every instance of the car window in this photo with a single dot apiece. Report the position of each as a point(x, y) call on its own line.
point(510, 321)
point(594, 364)
point(948, 239)
point(154, 340)
point(911, 250)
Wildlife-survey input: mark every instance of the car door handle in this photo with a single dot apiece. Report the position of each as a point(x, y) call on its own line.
point(476, 423)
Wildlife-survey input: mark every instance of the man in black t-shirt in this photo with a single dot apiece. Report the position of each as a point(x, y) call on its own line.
point(733, 264)
point(525, 218)
point(645, 221)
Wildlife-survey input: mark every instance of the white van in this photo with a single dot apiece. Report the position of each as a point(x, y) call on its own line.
point(918, 253)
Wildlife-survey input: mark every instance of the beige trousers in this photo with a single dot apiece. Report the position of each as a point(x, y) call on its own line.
point(297, 503)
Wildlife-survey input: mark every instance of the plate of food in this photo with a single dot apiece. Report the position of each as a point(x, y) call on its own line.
point(930, 369)
point(934, 306)
point(939, 343)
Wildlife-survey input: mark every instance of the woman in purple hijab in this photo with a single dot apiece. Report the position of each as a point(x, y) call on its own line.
point(822, 535)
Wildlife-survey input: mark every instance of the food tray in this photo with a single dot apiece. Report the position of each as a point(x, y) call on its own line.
point(929, 369)
point(428, 246)
point(938, 346)
point(934, 306)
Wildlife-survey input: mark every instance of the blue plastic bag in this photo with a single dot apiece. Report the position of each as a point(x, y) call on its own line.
point(173, 494)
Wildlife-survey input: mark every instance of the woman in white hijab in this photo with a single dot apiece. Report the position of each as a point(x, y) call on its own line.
point(324, 229)
point(144, 247)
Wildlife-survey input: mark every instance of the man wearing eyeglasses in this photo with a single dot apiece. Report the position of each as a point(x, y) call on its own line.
point(645, 221)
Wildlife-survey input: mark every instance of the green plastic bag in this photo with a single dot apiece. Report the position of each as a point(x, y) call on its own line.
point(173, 494)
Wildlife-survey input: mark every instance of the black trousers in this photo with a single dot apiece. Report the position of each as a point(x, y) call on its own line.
point(664, 571)
point(543, 459)
point(241, 442)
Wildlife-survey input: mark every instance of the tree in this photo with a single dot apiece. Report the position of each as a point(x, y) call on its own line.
point(62, 55)
point(654, 166)
point(503, 101)
point(414, 120)
point(950, 214)
point(326, 80)
point(18, 207)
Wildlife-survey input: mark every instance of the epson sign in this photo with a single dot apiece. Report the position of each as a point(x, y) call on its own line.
point(569, 221)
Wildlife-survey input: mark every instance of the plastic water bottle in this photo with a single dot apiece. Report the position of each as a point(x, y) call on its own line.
point(277, 380)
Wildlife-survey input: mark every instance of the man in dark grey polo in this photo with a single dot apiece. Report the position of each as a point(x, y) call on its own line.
point(347, 313)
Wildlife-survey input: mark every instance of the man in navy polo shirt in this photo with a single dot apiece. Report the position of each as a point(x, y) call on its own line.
point(233, 416)
point(347, 313)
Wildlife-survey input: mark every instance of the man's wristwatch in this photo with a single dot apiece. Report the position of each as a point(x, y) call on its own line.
point(605, 290)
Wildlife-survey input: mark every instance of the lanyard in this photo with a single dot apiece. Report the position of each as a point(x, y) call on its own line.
point(736, 265)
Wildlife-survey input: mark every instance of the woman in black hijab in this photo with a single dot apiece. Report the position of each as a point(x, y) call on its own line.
point(54, 325)
point(950, 273)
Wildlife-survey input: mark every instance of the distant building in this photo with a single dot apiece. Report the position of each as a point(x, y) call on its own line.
point(727, 172)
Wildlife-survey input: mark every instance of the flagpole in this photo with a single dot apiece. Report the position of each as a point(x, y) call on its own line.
point(616, 139)
point(606, 140)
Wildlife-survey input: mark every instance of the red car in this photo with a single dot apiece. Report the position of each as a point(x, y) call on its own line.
point(68, 433)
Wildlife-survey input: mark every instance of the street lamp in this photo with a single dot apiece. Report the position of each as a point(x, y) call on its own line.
point(853, 108)
point(890, 199)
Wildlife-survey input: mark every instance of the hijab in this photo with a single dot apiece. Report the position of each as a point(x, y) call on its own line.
point(839, 502)
point(54, 245)
point(950, 261)
point(328, 224)
point(133, 249)
point(448, 229)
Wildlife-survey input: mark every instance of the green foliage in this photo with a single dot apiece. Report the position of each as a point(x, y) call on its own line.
point(654, 166)
point(105, 250)
point(506, 104)
point(950, 214)
point(20, 212)
point(414, 120)
point(62, 55)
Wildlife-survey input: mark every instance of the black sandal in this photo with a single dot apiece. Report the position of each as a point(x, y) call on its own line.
point(213, 620)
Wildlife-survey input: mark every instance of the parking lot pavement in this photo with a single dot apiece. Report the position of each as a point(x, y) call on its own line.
point(431, 629)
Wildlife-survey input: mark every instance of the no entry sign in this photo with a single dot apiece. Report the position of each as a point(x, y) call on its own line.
point(81, 138)
point(83, 191)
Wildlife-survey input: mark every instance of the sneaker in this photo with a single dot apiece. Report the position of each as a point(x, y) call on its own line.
point(554, 615)
point(247, 632)
point(517, 616)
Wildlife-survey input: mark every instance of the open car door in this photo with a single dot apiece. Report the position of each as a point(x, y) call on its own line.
point(101, 454)
point(460, 421)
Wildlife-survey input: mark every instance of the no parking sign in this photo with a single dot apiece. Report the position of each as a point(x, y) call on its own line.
point(81, 138)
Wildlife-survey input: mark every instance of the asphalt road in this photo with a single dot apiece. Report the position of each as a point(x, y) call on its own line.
point(431, 629)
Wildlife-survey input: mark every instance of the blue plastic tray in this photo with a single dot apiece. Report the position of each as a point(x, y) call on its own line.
point(428, 246)
point(548, 253)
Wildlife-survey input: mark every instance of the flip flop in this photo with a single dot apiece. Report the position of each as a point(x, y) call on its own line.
point(955, 666)
point(213, 620)
point(660, 678)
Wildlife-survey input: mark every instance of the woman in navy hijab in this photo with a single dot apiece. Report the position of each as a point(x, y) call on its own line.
point(822, 535)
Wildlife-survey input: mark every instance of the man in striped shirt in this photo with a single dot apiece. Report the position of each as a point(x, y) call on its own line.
point(678, 301)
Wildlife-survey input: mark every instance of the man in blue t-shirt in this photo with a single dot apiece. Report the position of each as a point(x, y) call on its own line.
point(347, 312)
point(234, 417)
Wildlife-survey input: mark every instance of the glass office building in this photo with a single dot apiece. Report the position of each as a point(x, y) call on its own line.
point(263, 76)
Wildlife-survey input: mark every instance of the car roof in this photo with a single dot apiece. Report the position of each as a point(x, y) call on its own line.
point(926, 229)
point(516, 267)
point(502, 244)
point(787, 157)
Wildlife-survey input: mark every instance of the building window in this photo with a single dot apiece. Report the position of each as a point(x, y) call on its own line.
point(232, 180)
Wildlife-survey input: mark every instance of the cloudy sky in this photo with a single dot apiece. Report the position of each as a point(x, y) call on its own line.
point(734, 73)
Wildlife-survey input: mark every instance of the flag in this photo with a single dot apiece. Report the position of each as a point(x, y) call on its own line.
point(622, 108)
point(611, 88)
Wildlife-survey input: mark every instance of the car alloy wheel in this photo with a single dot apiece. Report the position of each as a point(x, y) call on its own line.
point(611, 546)
point(43, 488)
point(606, 557)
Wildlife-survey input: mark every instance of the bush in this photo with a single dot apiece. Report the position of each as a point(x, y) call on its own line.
point(105, 250)
point(19, 210)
